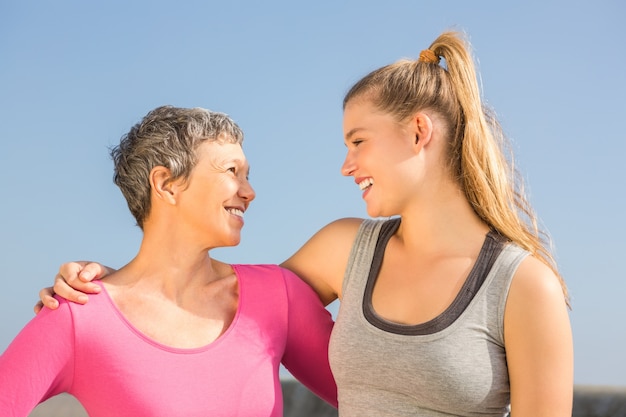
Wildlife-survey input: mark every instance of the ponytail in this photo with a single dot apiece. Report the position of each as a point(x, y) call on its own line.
point(479, 155)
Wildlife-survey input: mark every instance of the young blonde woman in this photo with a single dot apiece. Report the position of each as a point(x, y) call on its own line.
point(453, 304)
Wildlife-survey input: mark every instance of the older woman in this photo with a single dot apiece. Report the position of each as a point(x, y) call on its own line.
point(175, 332)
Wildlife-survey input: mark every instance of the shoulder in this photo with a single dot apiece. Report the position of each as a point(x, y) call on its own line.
point(322, 260)
point(77, 312)
point(344, 229)
point(64, 310)
point(62, 319)
point(535, 297)
point(72, 307)
point(333, 240)
point(535, 283)
point(538, 338)
point(267, 274)
point(269, 279)
point(265, 271)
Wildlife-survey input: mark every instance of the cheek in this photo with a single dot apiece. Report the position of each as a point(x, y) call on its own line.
point(232, 188)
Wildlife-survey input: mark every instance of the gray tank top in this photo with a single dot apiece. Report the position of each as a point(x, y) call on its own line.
point(453, 365)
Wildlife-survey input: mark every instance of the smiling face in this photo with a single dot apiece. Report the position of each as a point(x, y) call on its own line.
point(216, 195)
point(382, 158)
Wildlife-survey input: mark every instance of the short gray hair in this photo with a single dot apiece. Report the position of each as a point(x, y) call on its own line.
point(167, 136)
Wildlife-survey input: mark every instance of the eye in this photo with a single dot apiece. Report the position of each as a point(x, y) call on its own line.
point(232, 169)
point(357, 142)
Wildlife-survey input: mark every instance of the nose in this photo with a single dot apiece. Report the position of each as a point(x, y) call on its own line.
point(347, 169)
point(246, 191)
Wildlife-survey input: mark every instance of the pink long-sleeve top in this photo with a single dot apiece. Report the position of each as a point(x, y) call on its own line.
point(92, 352)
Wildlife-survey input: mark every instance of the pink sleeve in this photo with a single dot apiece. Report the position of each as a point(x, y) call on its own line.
point(309, 327)
point(38, 363)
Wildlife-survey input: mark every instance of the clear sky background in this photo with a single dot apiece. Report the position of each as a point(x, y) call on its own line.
point(75, 75)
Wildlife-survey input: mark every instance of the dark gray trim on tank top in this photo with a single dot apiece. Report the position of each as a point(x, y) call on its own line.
point(489, 252)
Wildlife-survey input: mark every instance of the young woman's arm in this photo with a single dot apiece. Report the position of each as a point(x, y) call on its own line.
point(73, 282)
point(321, 262)
point(538, 342)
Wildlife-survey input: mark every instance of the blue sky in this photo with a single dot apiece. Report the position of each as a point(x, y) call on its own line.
point(74, 76)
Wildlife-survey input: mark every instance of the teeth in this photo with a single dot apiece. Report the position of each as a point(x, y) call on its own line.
point(235, 211)
point(366, 183)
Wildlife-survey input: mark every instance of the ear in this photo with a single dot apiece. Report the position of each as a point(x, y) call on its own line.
point(162, 186)
point(423, 128)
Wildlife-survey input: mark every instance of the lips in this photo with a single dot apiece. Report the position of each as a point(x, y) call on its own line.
point(235, 211)
point(365, 183)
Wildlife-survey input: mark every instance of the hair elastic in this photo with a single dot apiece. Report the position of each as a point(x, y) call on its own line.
point(429, 57)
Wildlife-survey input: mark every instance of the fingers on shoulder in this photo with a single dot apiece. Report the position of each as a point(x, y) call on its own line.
point(68, 269)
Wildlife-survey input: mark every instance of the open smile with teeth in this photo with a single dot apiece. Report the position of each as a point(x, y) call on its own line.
point(234, 211)
point(366, 183)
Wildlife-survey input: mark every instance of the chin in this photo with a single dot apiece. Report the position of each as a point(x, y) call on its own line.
point(374, 212)
point(232, 241)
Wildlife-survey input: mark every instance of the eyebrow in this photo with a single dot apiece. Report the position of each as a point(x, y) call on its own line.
point(237, 161)
point(243, 162)
point(352, 132)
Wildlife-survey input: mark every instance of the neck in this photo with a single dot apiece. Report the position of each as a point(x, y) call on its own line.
point(169, 263)
point(440, 221)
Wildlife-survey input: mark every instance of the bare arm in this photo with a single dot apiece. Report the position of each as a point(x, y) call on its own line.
point(321, 261)
point(73, 282)
point(538, 342)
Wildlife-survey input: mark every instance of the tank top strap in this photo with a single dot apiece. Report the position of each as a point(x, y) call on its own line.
point(362, 254)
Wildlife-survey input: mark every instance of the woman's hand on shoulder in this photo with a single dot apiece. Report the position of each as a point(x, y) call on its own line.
point(322, 260)
point(72, 282)
point(538, 341)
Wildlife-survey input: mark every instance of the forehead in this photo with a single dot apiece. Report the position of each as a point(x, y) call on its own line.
point(359, 107)
point(362, 115)
point(220, 152)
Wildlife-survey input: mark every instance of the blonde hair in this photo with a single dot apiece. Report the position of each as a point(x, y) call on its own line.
point(478, 152)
